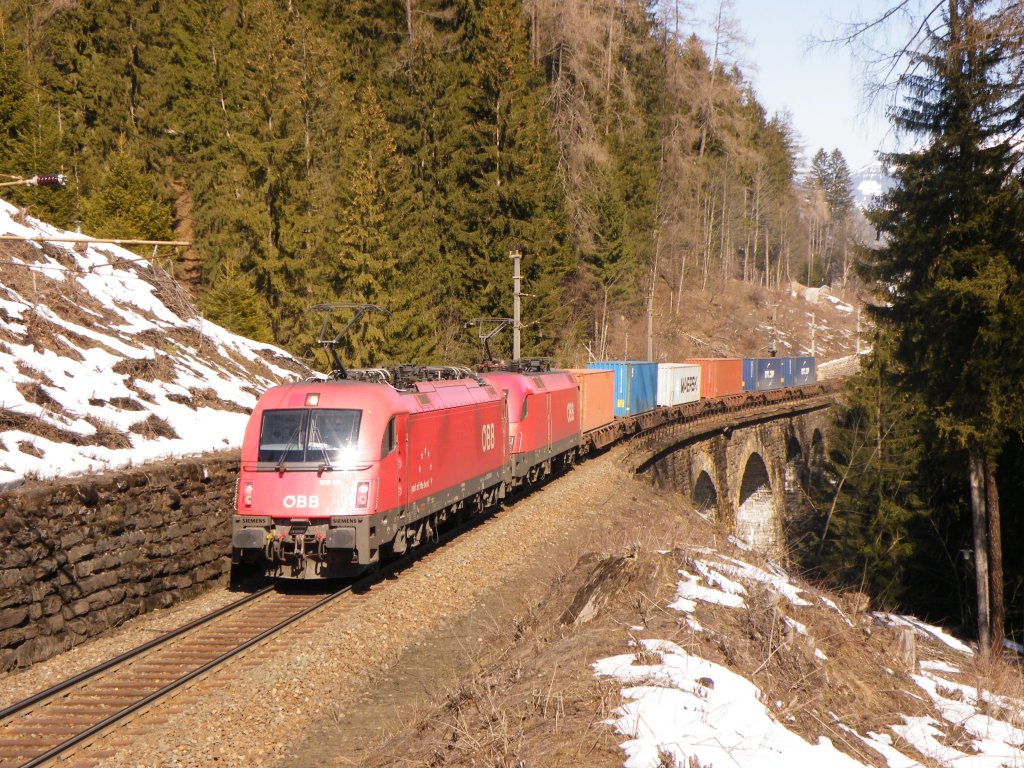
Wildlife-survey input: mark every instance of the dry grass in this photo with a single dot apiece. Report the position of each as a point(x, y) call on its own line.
point(106, 435)
point(127, 404)
point(20, 421)
point(529, 697)
point(207, 398)
point(27, 447)
point(147, 368)
point(181, 400)
point(34, 393)
point(42, 335)
point(168, 290)
point(153, 427)
point(35, 374)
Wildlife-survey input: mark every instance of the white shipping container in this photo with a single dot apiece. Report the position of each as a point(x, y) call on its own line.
point(678, 383)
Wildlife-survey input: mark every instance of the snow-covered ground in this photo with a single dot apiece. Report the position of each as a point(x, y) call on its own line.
point(99, 370)
point(680, 709)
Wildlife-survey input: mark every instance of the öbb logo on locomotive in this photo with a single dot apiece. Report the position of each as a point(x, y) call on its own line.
point(487, 437)
point(338, 474)
point(293, 501)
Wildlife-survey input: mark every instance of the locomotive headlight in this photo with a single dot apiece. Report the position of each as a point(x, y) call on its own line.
point(247, 495)
point(362, 494)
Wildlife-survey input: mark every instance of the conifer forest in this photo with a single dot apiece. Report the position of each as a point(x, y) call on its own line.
point(394, 152)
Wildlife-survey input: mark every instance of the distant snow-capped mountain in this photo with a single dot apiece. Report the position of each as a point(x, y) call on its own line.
point(869, 182)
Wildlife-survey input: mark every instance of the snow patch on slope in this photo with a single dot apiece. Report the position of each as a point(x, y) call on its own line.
point(107, 364)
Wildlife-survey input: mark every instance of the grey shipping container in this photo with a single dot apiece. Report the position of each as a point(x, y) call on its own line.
point(678, 384)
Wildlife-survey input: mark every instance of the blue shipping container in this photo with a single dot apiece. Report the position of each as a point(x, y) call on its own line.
point(764, 373)
point(805, 371)
point(636, 385)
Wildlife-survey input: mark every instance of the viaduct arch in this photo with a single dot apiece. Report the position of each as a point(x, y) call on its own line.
point(748, 477)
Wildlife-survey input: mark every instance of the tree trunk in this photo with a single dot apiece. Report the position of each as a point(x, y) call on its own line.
point(608, 70)
point(997, 616)
point(722, 250)
point(757, 223)
point(977, 479)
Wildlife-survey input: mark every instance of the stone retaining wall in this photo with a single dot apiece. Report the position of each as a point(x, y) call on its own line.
point(81, 555)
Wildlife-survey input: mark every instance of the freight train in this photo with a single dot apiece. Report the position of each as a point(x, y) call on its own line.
point(340, 473)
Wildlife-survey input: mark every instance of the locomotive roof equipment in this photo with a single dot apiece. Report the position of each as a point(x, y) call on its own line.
point(360, 310)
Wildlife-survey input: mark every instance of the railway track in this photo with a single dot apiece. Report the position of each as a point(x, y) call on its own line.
point(56, 721)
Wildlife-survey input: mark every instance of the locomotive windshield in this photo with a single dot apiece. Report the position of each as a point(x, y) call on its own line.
point(321, 436)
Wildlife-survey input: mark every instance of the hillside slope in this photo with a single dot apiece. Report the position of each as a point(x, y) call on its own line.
point(106, 362)
point(735, 319)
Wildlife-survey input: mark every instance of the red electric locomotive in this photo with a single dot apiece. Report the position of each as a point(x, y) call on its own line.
point(543, 419)
point(336, 472)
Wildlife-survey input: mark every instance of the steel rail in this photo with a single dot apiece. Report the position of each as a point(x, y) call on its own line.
point(113, 719)
point(110, 663)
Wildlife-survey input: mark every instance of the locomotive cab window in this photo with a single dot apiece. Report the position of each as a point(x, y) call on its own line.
point(526, 408)
point(388, 444)
point(320, 436)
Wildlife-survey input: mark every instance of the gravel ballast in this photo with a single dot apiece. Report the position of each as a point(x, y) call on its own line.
point(267, 705)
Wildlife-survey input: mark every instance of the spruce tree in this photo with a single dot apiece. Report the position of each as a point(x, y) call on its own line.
point(503, 193)
point(29, 143)
point(950, 268)
point(840, 186)
point(15, 118)
point(234, 304)
point(363, 269)
point(871, 506)
point(124, 205)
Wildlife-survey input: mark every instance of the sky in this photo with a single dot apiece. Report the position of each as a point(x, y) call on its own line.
point(821, 87)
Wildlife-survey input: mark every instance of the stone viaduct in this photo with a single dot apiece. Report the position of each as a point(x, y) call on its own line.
point(747, 472)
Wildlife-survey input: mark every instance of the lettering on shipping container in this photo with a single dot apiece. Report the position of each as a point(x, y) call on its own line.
point(570, 412)
point(687, 384)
